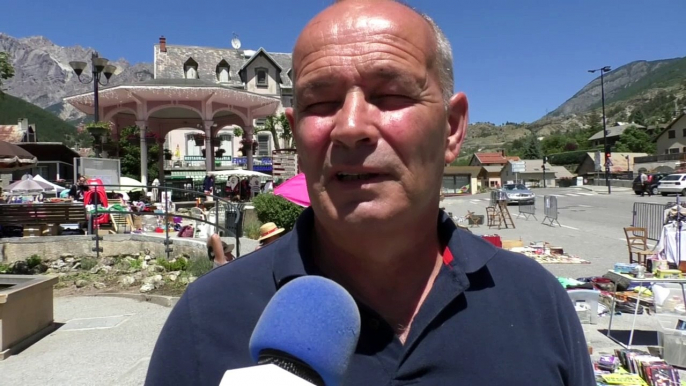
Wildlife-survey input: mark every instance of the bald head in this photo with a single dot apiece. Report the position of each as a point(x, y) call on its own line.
point(440, 58)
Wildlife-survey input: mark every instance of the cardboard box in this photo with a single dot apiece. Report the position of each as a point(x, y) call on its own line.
point(509, 244)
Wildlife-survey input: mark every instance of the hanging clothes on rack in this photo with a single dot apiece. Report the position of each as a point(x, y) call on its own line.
point(672, 244)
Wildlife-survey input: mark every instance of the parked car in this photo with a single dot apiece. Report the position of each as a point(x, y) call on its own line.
point(673, 183)
point(518, 193)
point(638, 187)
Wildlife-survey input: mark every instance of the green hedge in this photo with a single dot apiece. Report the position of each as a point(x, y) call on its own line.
point(568, 158)
point(276, 209)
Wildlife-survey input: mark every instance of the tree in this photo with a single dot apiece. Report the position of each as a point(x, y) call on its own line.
point(6, 68)
point(280, 121)
point(634, 140)
point(532, 148)
point(270, 124)
point(637, 117)
point(130, 154)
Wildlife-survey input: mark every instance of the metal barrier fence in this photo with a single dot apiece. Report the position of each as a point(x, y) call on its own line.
point(527, 211)
point(497, 196)
point(651, 217)
point(550, 210)
point(228, 212)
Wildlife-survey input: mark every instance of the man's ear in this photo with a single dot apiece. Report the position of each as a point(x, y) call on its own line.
point(458, 109)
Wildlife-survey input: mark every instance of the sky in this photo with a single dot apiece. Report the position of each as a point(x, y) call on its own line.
point(515, 60)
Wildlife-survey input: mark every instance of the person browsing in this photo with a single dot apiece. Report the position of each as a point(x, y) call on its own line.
point(375, 119)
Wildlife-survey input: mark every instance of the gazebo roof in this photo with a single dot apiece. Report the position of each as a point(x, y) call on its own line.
point(175, 89)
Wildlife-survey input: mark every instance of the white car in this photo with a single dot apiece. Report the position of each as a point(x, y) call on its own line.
point(673, 183)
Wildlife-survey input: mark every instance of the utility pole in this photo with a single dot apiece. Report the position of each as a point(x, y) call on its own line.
point(608, 153)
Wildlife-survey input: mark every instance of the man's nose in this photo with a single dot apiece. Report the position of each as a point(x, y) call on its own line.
point(353, 126)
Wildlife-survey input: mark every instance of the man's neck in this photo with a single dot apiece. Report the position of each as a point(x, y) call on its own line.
point(392, 273)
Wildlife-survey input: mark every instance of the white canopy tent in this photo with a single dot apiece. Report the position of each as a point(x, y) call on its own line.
point(56, 187)
point(239, 173)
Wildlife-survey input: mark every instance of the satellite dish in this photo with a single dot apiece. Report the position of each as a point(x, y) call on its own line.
point(235, 42)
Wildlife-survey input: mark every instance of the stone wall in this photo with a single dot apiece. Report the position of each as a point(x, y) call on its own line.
point(51, 247)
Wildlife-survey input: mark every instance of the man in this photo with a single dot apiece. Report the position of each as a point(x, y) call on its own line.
point(375, 123)
point(218, 251)
point(269, 233)
point(77, 191)
point(645, 183)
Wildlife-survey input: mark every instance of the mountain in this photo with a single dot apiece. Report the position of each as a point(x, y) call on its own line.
point(49, 128)
point(628, 82)
point(43, 75)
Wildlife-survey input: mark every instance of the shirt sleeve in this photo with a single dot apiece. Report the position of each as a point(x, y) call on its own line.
point(174, 359)
point(580, 369)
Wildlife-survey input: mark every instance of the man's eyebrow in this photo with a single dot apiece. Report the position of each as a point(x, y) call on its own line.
point(314, 86)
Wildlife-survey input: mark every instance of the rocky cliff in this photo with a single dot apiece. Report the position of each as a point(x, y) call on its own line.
point(43, 75)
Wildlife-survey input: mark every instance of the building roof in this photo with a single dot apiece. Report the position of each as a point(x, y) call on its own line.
point(493, 168)
point(490, 158)
point(10, 133)
point(669, 126)
point(619, 163)
point(614, 131)
point(534, 166)
point(473, 170)
point(561, 172)
point(513, 158)
point(50, 151)
point(170, 64)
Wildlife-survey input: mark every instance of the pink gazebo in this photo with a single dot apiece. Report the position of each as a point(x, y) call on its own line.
point(159, 106)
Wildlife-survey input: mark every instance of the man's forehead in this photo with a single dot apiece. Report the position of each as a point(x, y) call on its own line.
point(364, 18)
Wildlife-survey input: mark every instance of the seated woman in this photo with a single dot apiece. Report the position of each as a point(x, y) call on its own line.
point(269, 233)
point(219, 251)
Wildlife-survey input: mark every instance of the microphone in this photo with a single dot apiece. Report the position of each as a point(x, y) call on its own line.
point(309, 329)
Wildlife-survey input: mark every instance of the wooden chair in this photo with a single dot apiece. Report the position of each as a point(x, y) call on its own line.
point(637, 241)
point(493, 217)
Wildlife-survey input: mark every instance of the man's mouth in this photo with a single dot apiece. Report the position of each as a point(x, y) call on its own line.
point(355, 176)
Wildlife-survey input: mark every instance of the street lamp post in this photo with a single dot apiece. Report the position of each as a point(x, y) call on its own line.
point(99, 67)
point(603, 70)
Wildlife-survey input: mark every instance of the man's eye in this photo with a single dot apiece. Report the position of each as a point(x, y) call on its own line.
point(320, 108)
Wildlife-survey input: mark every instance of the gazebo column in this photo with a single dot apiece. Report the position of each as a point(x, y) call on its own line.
point(249, 130)
point(161, 161)
point(209, 150)
point(142, 125)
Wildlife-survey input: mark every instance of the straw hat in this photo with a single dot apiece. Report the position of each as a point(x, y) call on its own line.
point(268, 230)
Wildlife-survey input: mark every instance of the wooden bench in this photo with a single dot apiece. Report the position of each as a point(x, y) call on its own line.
point(27, 215)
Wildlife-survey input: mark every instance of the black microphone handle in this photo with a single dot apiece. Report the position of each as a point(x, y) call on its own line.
point(291, 364)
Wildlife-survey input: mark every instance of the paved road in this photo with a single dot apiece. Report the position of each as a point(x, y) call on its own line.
point(591, 222)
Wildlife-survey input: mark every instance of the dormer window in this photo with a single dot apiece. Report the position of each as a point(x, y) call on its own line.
point(261, 79)
point(223, 71)
point(190, 69)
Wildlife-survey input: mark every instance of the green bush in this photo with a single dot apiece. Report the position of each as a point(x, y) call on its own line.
point(33, 261)
point(178, 264)
point(198, 266)
point(88, 263)
point(276, 209)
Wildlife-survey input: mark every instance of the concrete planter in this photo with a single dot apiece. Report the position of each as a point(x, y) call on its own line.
point(26, 311)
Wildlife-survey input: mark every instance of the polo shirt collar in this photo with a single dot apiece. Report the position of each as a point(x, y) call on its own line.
point(469, 254)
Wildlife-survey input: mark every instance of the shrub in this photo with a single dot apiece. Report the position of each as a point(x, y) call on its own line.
point(88, 263)
point(198, 266)
point(33, 261)
point(276, 209)
point(252, 230)
point(178, 264)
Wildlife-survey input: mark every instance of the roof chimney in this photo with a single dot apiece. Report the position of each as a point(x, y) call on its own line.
point(502, 152)
point(163, 44)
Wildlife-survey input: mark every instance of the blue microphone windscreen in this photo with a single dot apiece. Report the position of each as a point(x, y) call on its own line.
point(313, 319)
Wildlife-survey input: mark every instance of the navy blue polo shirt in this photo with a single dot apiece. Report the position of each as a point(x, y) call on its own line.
point(493, 317)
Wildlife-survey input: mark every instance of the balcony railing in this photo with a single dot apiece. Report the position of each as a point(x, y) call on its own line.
point(659, 158)
point(260, 163)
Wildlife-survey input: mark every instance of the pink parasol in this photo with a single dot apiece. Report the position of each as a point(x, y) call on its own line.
point(294, 190)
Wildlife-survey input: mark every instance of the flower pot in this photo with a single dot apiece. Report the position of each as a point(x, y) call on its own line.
point(199, 140)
